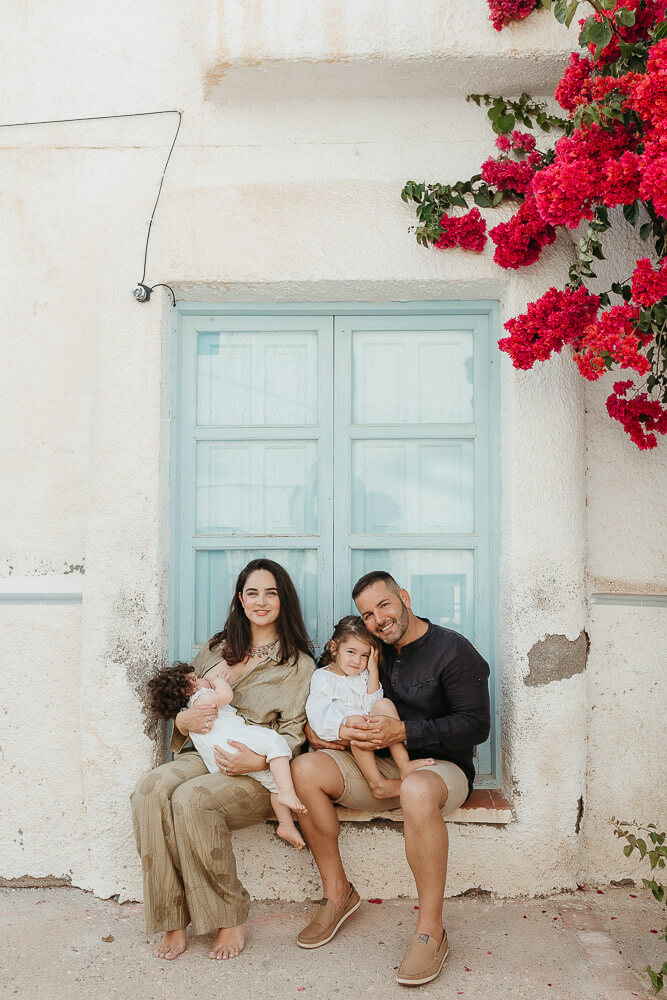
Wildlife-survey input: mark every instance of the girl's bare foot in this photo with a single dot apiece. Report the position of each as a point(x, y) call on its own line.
point(414, 765)
point(172, 945)
point(229, 943)
point(386, 788)
point(292, 802)
point(291, 835)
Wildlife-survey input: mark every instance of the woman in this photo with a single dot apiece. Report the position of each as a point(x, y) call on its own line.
point(183, 816)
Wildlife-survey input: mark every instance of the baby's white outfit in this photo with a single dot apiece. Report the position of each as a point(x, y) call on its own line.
point(335, 696)
point(231, 726)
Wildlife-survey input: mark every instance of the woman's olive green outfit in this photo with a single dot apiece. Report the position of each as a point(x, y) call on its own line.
point(183, 816)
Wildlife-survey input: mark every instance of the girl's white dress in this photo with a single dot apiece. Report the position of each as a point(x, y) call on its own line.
point(335, 696)
point(231, 726)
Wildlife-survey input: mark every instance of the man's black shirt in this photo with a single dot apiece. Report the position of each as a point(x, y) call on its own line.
point(439, 685)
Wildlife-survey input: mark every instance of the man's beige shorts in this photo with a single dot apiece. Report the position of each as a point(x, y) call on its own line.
point(357, 794)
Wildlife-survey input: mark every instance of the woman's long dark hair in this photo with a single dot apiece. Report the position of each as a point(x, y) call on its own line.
point(349, 625)
point(236, 634)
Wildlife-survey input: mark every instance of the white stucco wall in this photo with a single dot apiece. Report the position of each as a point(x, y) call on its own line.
point(300, 126)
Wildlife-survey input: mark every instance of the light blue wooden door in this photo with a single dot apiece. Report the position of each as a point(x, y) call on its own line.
point(337, 440)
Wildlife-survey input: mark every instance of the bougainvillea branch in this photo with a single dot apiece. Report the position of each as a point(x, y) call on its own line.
point(610, 157)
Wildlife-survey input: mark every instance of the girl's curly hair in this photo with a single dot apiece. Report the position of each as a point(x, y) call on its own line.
point(349, 625)
point(169, 690)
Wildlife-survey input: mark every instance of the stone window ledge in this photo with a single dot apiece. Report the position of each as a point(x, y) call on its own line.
point(486, 806)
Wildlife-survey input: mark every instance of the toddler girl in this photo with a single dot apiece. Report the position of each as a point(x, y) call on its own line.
point(347, 689)
point(174, 688)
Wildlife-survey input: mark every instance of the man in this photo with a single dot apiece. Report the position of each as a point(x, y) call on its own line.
point(439, 684)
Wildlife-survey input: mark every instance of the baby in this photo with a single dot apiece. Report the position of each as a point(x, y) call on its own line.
point(177, 687)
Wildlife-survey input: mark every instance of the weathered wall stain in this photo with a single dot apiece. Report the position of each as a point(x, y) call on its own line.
point(556, 658)
point(133, 646)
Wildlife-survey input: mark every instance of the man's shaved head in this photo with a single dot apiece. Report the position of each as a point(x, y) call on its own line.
point(376, 576)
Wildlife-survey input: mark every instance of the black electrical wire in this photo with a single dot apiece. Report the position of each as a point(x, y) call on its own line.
point(135, 114)
point(161, 284)
point(159, 192)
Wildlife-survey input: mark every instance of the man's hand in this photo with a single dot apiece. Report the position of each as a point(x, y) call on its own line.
point(318, 744)
point(243, 760)
point(379, 731)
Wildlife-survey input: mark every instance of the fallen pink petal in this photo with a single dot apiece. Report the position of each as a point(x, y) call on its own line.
point(374, 900)
point(600, 892)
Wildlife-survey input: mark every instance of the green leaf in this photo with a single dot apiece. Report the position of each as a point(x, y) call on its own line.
point(547, 4)
point(627, 850)
point(660, 31)
point(655, 978)
point(497, 198)
point(504, 124)
point(560, 11)
point(483, 200)
point(631, 212)
point(599, 33)
point(645, 232)
point(571, 11)
point(625, 17)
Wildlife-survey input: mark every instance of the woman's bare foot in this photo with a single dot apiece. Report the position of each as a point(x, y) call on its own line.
point(290, 833)
point(291, 800)
point(386, 788)
point(414, 765)
point(229, 942)
point(171, 946)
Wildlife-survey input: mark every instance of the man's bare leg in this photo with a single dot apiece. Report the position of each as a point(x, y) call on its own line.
point(172, 944)
point(423, 794)
point(318, 781)
point(228, 943)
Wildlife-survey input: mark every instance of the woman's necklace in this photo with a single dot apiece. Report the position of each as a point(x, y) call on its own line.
point(262, 650)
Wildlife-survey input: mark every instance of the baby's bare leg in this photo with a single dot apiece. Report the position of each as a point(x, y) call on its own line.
point(280, 769)
point(286, 828)
point(381, 787)
point(397, 750)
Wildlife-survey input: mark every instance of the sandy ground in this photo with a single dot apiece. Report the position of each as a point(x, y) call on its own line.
point(591, 945)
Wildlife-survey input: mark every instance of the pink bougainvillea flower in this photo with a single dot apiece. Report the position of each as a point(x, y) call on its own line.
point(520, 241)
point(614, 336)
point(647, 12)
point(466, 231)
point(555, 319)
point(648, 286)
point(640, 416)
point(574, 88)
point(505, 11)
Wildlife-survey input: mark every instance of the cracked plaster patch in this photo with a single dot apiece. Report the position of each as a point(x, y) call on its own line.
point(556, 658)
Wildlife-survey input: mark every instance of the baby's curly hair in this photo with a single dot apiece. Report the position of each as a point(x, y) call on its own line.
point(349, 625)
point(169, 690)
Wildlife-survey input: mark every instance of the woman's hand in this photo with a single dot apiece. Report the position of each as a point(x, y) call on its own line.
point(318, 744)
point(197, 719)
point(242, 760)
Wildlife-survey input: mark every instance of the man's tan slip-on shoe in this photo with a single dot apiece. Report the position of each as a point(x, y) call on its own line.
point(424, 960)
point(327, 920)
